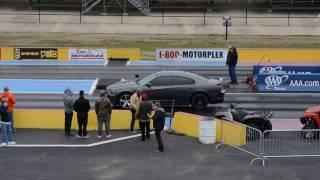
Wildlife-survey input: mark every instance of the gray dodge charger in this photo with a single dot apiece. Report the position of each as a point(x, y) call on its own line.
point(176, 88)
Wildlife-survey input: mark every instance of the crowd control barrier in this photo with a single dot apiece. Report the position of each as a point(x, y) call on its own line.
point(299, 83)
point(285, 70)
point(247, 139)
point(291, 143)
point(272, 144)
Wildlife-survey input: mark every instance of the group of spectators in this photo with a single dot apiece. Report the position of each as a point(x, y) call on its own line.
point(140, 107)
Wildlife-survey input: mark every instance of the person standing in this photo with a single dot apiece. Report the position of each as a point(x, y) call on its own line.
point(11, 102)
point(82, 107)
point(6, 130)
point(144, 116)
point(68, 111)
point(232, 60)
point(134, 105)
point(158, 123)
point(103, 108)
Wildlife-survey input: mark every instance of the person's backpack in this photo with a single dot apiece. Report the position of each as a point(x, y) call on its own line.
point(4, 105)
point(102, 108)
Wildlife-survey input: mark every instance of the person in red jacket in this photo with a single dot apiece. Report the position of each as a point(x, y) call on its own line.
point(11, 104)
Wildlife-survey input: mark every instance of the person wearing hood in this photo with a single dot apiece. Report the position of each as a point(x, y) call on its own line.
point(144, 115)
point(158, 123)
point(68, 111)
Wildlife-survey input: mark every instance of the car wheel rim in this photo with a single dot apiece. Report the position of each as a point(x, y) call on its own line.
point(125, 101)
point(199, 102)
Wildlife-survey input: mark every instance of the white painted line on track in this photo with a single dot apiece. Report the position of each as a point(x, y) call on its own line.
point(94, 86)
point(75, 145)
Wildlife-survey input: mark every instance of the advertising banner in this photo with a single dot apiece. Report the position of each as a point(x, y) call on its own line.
point(87, 54)
point(0, 54)
point(36, 53)
point(285, 70)
point(218, 55)
point(303, 83)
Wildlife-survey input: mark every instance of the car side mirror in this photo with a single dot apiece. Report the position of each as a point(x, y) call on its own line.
point(148, 85)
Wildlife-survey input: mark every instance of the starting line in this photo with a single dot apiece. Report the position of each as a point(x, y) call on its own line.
point(74, 145)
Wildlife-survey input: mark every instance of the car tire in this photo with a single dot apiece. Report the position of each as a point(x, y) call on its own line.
point(199, 102)
point(124, 100)
point(267, 127)
point(252, 134)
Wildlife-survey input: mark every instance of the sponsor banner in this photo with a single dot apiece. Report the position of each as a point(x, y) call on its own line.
point(218, 55)
point(87, 54)
point(289, 83)
point(285, 70)
point(36, 53)
point(0, 54)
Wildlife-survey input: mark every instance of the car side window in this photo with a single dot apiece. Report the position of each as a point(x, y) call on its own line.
point(182, 81)
point(162, 81)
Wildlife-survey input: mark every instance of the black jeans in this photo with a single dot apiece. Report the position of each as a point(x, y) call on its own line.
point(82, 123)
point(133, 119)
point(159, 140)
point(67, 122)
point(145, 129)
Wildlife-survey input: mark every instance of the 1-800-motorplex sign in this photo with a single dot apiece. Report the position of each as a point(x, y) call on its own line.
point(206, 54)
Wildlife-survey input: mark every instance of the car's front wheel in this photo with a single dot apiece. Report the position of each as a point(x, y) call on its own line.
point(199, 101)
point(124, 100)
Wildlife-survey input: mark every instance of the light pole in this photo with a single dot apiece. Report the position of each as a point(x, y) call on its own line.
point(226, 23)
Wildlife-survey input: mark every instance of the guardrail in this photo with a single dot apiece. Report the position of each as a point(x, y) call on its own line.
point(270, 144)
point(248, 139)
point(42, 13)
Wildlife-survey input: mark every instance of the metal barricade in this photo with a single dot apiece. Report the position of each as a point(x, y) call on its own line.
point(291, 143)
point(269, 144)
point(241, 137)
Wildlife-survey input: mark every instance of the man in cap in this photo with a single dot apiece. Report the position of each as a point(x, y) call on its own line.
point(158, 123)
point(135, 101)
point(82, 107)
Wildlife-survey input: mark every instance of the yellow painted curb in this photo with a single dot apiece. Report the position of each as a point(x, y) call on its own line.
point(54, 119)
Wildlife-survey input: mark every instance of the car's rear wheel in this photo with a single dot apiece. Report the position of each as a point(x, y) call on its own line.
point(199, 101)
point(124, 100)
point(252, 132)
point(310, 130)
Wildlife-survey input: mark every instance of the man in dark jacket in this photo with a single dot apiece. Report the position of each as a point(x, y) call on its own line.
point(144, 116)
point(158, 124)
point(82, 107)
point(232, 60)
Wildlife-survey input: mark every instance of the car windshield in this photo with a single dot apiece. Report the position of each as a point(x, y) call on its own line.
point(145, 80)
